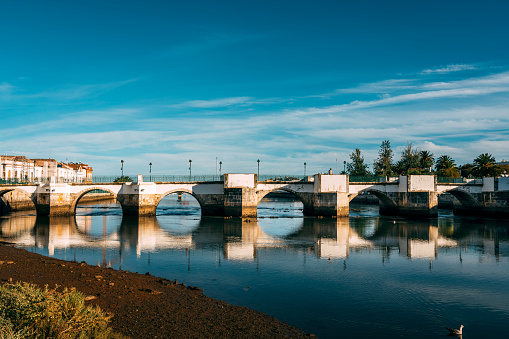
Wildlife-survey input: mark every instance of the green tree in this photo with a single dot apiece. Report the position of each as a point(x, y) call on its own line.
point(426, 161)
point(383, 164)
point(445, 167)
point(123, 178)
point(357, 167)
point(466, 170)
point(410, 161)
point(485, 165)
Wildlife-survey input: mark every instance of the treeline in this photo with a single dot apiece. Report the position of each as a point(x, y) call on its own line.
point(416, 161)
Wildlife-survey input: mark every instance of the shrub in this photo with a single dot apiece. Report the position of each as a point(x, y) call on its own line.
point(27, 311)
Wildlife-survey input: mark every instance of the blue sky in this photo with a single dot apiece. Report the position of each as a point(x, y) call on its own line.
point(286, 82)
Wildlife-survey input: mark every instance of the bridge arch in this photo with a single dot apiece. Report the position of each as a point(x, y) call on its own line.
point(80, 194)
point(180, 190)
point(465, 198)
point(382, 196)
point(31, 197)
point(306, 201)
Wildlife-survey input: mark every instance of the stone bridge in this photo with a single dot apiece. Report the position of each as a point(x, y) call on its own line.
point(238, 195)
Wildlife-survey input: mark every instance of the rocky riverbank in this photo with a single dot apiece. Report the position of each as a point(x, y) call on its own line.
point(144, 306)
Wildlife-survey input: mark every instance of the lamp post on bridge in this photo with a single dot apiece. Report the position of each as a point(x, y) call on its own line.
point(258, 161)
point(220, 164)
point(150, 172)
point(305, 170)
point(344, 167)
point(122, 168)
point(190, 162)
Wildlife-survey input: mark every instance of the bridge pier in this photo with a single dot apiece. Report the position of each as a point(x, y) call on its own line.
point(417, 196)
point(330, 195)
point(240, 198)
point(139, 199)
point(495, 197)
point(418, 204)
point(53, 200)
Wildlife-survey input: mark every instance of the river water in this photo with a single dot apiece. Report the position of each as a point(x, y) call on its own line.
point(357, 277)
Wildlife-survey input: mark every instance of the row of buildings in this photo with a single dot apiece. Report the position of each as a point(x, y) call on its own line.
point(18, 168)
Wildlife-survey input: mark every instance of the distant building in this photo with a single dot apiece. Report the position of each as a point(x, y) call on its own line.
point(22, 169)
point(15, 167)
point(504, 164)
point(83, 171)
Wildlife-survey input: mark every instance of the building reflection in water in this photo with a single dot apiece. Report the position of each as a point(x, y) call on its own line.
point(16, 227)
point(242, 239)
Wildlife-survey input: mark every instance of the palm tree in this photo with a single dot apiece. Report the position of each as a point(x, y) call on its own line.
point(426, 160)
point(485, 165)
point(446, 167)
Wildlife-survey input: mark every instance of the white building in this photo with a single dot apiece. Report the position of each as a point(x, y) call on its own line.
point(22, 169)
point(16, 168)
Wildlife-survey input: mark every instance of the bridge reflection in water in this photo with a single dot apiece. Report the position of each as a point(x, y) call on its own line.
point(329, 276)
point(243, 238)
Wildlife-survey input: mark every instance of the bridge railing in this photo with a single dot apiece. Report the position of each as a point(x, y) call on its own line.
point(462, 180)
point(211, 178)
point(13, 181)
point(157, 178)
point(370, 178)
point(279, 177)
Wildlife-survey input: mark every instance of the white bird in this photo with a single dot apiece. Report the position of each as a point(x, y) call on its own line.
point(455, 331)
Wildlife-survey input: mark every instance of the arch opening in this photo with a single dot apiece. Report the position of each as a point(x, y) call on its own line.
point(384, 199)
point(98, 214)
point(179, 212)
point(96, 198)
point(372, 204)
point(464, 198)
point(280, 203)
point(14, 200)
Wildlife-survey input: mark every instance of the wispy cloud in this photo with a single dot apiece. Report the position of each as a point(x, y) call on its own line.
point(492, 84)
point(428, 114)
point(383, 86)
point(72, 122)
point(6, 87)
point(65, 93)
point(215, 103)
point(449, 69)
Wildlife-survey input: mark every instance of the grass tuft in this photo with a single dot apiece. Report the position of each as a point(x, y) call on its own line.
point(27, 311)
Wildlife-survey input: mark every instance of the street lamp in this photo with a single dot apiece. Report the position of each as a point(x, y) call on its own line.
point(220, 164)
point(344, 167)
point(305, 169)
point(190, 161)
point(258, 161)
point(150, 172)
point(122, 167)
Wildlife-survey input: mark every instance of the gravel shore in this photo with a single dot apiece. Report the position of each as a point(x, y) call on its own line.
point(144, 306)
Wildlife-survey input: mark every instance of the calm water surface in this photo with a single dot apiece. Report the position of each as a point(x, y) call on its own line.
point(355, 277)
